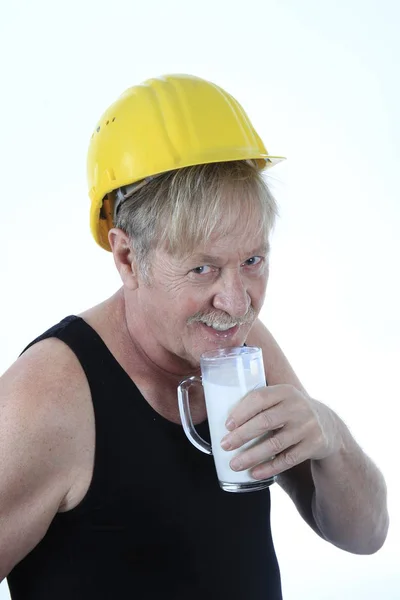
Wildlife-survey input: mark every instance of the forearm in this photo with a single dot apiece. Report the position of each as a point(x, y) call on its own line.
point(349, 502)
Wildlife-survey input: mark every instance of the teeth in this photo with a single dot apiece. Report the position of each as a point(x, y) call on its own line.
point(220, 327)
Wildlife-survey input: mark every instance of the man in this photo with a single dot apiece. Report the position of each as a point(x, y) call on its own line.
point(101, 494)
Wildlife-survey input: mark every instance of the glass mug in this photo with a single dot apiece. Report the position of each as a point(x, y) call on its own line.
point(227, 375)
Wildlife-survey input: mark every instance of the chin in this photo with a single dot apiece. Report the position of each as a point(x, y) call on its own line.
point(206, 339)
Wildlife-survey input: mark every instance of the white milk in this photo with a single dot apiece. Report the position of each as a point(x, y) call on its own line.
point(220, 398)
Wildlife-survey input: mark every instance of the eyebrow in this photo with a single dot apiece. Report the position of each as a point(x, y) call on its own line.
point(263, 250)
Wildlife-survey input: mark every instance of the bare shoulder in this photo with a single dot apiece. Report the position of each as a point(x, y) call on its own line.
point(44, 421)
point(44, 386)
point(277, 367)
point(40, 364)
point(47, 398)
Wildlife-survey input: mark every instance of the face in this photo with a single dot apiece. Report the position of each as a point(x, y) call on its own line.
point(204, 301)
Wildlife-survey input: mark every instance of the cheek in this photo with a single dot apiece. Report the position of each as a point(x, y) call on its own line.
point(174, 311)
point(258, 290)
point(191, 306)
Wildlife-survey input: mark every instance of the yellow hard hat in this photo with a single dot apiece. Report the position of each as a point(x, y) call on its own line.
point(164, 124)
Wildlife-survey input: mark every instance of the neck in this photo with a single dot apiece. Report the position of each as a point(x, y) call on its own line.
point(155, 372)
point(157, 359)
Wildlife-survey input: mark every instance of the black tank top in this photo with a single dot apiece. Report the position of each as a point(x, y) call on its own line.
point(154, 522)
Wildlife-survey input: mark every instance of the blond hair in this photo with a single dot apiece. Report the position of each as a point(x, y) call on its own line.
point(181, 209)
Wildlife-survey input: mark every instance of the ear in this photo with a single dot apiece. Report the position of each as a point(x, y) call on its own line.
point(124, 257)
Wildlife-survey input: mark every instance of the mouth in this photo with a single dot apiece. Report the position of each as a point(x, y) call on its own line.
point(220, 332)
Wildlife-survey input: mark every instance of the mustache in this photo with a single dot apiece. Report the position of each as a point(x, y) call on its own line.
point(214, 317)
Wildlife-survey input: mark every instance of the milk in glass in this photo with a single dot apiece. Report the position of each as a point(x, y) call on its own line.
point(223, 389)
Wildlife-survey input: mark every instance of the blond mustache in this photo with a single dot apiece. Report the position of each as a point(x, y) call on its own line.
point(216, 318)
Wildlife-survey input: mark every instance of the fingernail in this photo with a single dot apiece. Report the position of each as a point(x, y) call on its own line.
point(225, 443)
point(235, 464)
point(230, 424)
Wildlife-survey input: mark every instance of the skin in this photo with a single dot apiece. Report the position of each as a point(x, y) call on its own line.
point(317, 461)
point(47, 429)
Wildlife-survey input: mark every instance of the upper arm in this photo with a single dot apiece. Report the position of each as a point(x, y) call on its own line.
point(297, 482)
point(36, 448)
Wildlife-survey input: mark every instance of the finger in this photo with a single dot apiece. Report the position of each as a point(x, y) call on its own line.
point(282, 462)
point(257, 401)
point(266, 449)
point(267, 420)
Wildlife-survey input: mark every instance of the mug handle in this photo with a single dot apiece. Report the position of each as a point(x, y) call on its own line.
point(186, 417)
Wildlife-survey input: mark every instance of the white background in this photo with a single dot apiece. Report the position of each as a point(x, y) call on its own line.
point(320, 81)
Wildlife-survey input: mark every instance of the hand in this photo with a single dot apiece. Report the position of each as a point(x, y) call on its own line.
point(301, 428)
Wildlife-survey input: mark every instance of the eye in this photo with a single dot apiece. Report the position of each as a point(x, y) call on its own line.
point(203, 270)
point(253, 261)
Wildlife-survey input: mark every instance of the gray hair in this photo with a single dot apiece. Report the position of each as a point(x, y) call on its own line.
point(181, 209)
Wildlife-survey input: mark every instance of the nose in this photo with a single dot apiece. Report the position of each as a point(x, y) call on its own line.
point(231, 295)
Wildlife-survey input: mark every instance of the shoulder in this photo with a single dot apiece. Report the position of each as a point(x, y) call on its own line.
point(278, 370)
point(46, 408)
point(42, 444)
point(46, 373)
